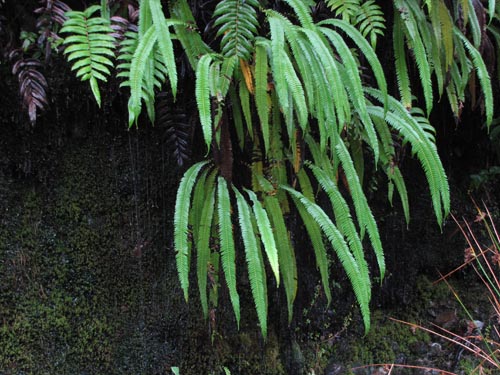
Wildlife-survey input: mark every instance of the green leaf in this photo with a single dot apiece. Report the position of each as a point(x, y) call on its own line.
point(358, 280)
point(256, 269)
point(228, 255)
point(266, 234)
point(203, 239)
point(202, 91)
point(164, 42)
point(262, 101)
point(181, 219)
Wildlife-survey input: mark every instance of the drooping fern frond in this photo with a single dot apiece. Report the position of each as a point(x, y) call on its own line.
point(343, 219)
point(266, 234)
point(90, 47)
point(203, 239)
point(349, 263)
point(181, 220)
point(203, 96)
point(32, 85)
point(417, 36)
point(286, 254)
point(423, 147)
point(255, 262)
point(366, 16)
point(482, 73)
point(314, 231)
point(237, 22)
point(370, 21)
point(227, 250)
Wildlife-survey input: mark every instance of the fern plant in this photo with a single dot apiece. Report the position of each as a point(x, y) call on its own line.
point(306, 102)
point(90, 47)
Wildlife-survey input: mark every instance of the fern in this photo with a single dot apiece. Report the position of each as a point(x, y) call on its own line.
point(483, 75)
point(261, 96)
point(256, 270)
point(350, 265)
point(237, 21)
point(228, 256)
point(90, 45)
point(203, 97)
point(345, 8)
point(181, 219)
point(370, 21)
point(164, 42)
point(314, 231)
point(266, 234)
point(203, 239)
point(367, 16)
point(286, 255)
point(423, 147)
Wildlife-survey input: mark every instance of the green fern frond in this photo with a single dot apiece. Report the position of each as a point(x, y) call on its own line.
point(370, 21)
point(181, 219)
point(303, 11)
point(256, 269)
point(314, 232)
point(395, 177)
point(358, 280)
point(286, 255)
point(237, 21)
point(165, 44)
point(353, 84)
point(202, 91)
point(475, 26)
point(244, 95)
point(227, 250)
point(402, 77)
point(491, 9)
point(364, 46)
point(261, 97)
point(343, 220)
point(400, 119)
point(203, 238)
point(141, 61)
point(482, 72)
point(266, 234)
point(277, 62)
point(347, 9)
point(90, 47)
point(363, 211)
point(414, 34)
point(190, 39)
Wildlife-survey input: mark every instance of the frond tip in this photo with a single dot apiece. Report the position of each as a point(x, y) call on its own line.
point(90, 46)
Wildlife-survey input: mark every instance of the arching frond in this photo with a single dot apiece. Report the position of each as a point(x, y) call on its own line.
point(203, 239)
point(266, 234)
point(314, 231)
point(286, 254)
point(164, 42)
point(203, 96)
point(227, 250)
point(341, 249)
point(255, 263)
point(181, 219)
point(425, 150)
point(261, 97)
